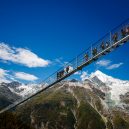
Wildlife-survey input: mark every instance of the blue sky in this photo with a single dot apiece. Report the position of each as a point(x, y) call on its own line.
point(54, 32)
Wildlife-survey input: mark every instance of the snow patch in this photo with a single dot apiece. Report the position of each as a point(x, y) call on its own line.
point(118, 87)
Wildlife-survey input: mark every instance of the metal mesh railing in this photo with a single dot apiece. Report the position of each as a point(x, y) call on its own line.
point(86, 57)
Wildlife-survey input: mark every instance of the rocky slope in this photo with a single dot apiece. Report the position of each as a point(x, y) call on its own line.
point(6, 96)
point(23, 90)
point(65, 106)
point(14, 91)
point(112, 87)
point(91, 104)
point(72, 105)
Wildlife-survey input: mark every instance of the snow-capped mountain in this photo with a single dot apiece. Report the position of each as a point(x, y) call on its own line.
point(29, 89)
point(115, 87)
point(21, 89)
point(70, 99)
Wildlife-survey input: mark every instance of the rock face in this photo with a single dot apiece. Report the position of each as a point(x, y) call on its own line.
point(6, 96)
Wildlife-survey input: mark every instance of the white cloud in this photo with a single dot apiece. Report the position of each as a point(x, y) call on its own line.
point(77, 73)
point(103, 63)
point(107, 64)
point(84, 75)
point(8, 76)
point(114, 66)
point(21, 56)
point(59, 61)
point(25, 76)
point(3, 74)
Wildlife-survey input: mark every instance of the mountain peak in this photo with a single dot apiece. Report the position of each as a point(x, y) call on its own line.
point(117, 87)
point(103, 77)
point(99, 72)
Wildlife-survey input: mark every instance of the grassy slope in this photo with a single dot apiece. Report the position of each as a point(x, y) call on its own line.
point(55, 110)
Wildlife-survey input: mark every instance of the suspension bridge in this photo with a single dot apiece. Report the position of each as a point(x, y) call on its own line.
point(111, 41)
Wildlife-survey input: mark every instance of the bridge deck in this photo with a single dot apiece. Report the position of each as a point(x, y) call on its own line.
point(80, 61)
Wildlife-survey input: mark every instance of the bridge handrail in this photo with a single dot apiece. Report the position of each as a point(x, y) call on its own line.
point(79, 61)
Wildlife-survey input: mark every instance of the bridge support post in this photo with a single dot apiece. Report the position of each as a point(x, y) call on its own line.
point(110, 37)
point(91, 51)
point(76, 61)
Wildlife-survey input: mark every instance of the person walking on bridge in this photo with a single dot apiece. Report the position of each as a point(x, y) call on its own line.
point(127, 30)
point(123, 33)
point(86, 56)
point(94, 51)
point(115, 37)
point(102, 46)
point(67, 69)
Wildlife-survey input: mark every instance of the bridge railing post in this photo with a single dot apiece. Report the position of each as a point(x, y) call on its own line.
point(110, 37)
point(76, 61)
point(91, 51)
